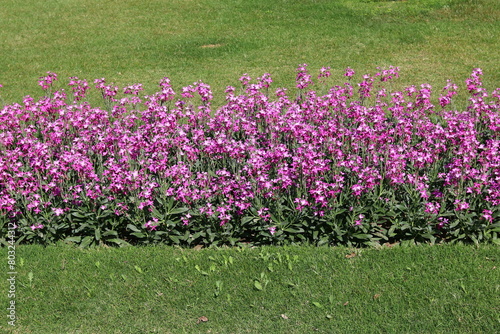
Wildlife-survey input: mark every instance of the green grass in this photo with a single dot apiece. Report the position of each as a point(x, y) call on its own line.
point(132, 41)
point(440, 289)
point(426, 289)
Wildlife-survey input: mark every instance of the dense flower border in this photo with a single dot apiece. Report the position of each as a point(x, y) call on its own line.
point(356, 165)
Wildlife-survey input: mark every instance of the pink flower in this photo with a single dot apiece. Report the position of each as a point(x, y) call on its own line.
point(145, 204)
point(303, 78)
point(324, 72)
point(46, 82)
point(460, 205)
point(58, 211)
point(360, 220)
point(185, 219)
point(487, 214)
point(245, 79)
point(349, 72)
point(272, 230)
point(301, 203)
point(263, 214)
point(432, 207)
point(224, 218)
point(442, 222)
point(149, 225)
point(34, 227)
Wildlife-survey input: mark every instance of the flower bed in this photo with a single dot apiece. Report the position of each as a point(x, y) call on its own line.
point(357, 165)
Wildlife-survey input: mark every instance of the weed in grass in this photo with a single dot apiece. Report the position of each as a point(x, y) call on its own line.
point(30, 279)
point(218, 289)
point(198, 269)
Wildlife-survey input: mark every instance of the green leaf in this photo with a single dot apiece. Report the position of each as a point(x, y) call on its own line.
point(81, 228)
point(77, 215)
point(108, 233)
point(156, 213)
point(175, 239)
point(204, 273)
point(246, 219)
point(391, 232)
point(133, 228)
point(178, 210)
point(197, 235)
point(119, 242)
point(73, 239)
point(317, 304)
point(362, 236)
point(293, 230)
point(257, 285)
point(86, 242)
point(323, 241)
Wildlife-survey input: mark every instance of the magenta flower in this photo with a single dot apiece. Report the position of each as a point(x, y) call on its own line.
point(301, 203)
point(324, 72)
point(272, 230)
point(46, 82)
point(487, 215)
point(441, 222)
point(349, 72)
point(185, 219)
point(35, 227)
point(263, 213)
point(245, 79)
point(303, 78)
point(133, 89)
point(58, 211)
point(359, 220)
point(432, 208)
point(149, 225)
point(461, 205)
point(318, 152)
point(79, 88)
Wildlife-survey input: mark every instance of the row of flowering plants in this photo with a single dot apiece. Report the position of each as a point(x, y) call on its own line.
point(356, 164)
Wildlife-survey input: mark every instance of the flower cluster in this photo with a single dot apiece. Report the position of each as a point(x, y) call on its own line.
point(319, 156)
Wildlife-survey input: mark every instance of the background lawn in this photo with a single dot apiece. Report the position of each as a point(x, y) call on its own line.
point(131, 41)
point(439, 289)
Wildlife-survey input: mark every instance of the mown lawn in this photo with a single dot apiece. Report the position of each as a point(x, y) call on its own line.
point(216, 41)
point(426, 289)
